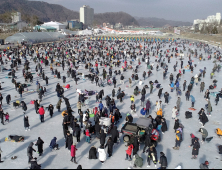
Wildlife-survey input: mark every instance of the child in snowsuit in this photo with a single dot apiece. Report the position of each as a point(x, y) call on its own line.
point(7, 117)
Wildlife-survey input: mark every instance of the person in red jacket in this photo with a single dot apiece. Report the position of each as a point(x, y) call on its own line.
point(73, 153)
point(129, 151)
point(87, 136)
point(41, 114)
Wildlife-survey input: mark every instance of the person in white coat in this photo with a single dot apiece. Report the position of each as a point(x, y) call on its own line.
point(174, 112)
point(140, 82)
point(102, 154)
point(158, 105)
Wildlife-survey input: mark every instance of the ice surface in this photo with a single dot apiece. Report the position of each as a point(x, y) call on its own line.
point(53, 126)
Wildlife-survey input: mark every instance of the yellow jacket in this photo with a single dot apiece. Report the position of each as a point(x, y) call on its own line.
point(132, 98)
point(159, 112)
point(219, 131)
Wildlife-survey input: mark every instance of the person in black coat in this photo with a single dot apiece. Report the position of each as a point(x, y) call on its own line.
point(97, 129)
point(50, 109)
point(110, 146)
point(196, 147)
point(147, 142)
point(163, 161)
point(81, 119)
point(26, 122)
point(24, 106)
point(176, 125)
point(92, 153)
point(8, 99)
point(34, 164)
point(115, 134)
point(101, 94)
point(135, 146)
point(160, 92)
point(30, 151)
point(102, 138)
point(36, 106)
point(66, 102)
point(46, 81)
point(202, 116)
point(113, 93)
point(77, 132)
point(164, 125)
point(64, 79)
point(69, 140)
point(40, 143)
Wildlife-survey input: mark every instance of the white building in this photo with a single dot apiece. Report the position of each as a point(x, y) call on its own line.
point(210, 19)
point(86, 15)
point(56, 25)
point(16, 17)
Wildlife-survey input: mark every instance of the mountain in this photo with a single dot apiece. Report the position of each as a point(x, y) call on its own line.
point(44, 11)
point(159, 22)
point(115, 17)
point(52, 12)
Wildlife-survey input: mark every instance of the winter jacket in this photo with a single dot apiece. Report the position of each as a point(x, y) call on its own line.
point(192, 99)
point(148, 104)
point(102, 138)
point(78, 105)
point(209, 109)
point(102, 154)
point(219, 131)
point(159, 113)
point(30, 150)
point(196, 148)
point(92, 153)
point(73, 151)
point(69, 141)
point(138, 161)
point(204, 132)
point(53, 143)
point(41, 111)
point(178, 136)
point(129, 150)
point(40, 143)
point(203, 166)
point(143, 111)
point(26, 122)
point(158, 106)
point(163, 161)
point(174, 113)
point(178, 103)
point(100, 106)
point(115, 134)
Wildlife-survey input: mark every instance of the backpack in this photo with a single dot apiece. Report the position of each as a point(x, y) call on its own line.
point(188, 114)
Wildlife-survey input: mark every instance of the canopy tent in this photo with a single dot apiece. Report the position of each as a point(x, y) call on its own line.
point(34, 37)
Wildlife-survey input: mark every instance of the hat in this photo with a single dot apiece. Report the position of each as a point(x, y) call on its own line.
point(192, 136)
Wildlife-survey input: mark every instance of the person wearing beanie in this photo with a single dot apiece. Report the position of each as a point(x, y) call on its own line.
point(196, 146)
point(163, 161)
point(204, 165)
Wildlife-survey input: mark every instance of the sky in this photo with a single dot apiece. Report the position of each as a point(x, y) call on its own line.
point(178, 10)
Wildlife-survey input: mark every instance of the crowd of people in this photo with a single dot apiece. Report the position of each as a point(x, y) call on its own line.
point(114, 67)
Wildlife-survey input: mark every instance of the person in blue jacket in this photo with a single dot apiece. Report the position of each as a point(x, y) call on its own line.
point(53, 144)
point(143, 111)
point(172, 86)
point(100, 106)
point(177, 85)
point(192, 100)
